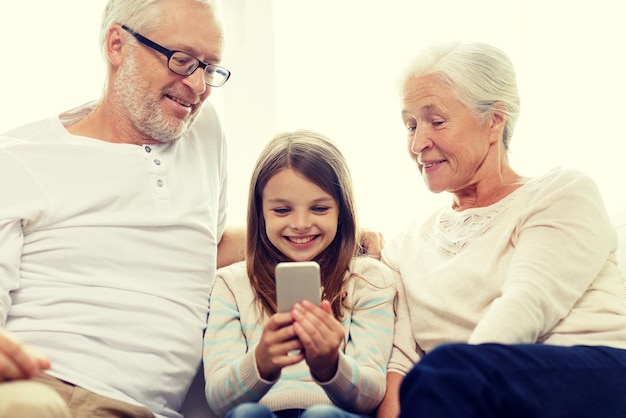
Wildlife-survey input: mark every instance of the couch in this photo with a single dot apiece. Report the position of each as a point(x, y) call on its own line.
point(195, 405)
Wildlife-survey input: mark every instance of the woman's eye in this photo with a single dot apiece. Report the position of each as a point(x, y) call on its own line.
point(411, 128)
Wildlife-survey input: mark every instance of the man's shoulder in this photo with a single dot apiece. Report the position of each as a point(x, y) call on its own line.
point(34, 131)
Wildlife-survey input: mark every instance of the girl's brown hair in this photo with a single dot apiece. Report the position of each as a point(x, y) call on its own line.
point(319, 160)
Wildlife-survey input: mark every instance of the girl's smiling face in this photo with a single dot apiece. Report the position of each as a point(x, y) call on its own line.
point(301, 219)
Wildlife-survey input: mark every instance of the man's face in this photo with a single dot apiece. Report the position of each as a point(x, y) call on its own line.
point(158, 103)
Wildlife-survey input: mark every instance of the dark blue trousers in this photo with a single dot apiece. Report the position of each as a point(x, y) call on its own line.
point(516, 381)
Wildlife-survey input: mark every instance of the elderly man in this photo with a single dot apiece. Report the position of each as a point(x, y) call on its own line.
point(110, 222)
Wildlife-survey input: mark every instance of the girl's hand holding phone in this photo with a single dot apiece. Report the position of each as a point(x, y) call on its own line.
point(321, 335)
point(272, 353)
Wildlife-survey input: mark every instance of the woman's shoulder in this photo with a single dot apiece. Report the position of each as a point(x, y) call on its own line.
point(562, 185)
point(559, 177)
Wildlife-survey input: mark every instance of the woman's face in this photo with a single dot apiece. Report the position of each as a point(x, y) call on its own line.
point(300, 218)
point(448, 142)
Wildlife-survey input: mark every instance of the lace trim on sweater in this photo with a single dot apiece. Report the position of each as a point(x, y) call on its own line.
point(453, 230)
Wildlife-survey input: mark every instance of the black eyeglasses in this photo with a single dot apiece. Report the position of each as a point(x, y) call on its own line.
point(185, 64)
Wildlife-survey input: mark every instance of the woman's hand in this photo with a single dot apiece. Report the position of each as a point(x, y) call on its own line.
point(18, 361)
point(272, 353)
point(321, 336)
point(372, 242)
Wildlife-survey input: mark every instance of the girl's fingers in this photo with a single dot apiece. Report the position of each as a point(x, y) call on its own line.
point(279, 320)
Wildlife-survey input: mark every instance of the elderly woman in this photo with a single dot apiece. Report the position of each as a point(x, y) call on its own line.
point(511, 302)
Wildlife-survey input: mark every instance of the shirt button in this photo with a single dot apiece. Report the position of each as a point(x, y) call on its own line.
point(147, 148)
point(157, 162)
point(159, 183)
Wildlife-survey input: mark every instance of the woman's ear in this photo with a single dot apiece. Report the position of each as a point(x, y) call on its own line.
point(498, 122)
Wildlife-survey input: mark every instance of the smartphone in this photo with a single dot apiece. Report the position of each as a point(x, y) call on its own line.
point(296, 281)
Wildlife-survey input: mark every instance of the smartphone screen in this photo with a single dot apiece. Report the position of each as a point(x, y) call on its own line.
point(296, 281)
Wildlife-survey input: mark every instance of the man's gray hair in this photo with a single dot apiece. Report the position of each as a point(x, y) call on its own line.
point(140, 15)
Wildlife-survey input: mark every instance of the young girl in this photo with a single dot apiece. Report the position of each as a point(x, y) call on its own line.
point(315, 361)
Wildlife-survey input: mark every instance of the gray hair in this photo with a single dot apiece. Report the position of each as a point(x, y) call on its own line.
point(140, 15)
point(482, 77)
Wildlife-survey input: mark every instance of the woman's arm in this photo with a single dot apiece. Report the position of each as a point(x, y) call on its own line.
point(562, 242)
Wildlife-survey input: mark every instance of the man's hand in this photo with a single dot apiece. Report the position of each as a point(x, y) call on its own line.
point(18, 361)
point(232, 246)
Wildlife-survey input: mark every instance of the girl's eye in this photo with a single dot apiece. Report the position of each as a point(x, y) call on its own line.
point(281, 211)
point(320, 209)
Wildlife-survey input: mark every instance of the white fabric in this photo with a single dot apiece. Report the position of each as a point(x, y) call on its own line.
point(619, 220)
point(109, 252)
point(538, 266)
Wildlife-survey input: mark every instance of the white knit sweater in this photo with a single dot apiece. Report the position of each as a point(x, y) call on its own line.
point(538, 266)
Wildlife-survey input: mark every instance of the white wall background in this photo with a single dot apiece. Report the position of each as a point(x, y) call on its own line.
point(332, 65)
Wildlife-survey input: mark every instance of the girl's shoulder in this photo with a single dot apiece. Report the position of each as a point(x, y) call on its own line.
point(233, 273)
point(373, 270)
point(369, 283)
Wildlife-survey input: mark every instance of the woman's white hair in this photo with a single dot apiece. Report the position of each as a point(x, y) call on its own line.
point(481, 75)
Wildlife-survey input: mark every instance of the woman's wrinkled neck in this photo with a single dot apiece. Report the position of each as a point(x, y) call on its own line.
point(488, 191)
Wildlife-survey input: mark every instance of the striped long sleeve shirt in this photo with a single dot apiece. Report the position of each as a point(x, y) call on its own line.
point(235, 326)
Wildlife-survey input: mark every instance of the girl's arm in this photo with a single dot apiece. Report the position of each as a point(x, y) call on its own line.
point(359, 383)
point(242, 357)
point(229, 367)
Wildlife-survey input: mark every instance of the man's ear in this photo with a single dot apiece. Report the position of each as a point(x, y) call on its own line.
point(114, 45)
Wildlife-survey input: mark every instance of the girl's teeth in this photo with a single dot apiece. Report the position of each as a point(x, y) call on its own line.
point(301, 240)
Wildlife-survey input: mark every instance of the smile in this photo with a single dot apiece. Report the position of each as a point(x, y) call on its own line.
point(302, 240)
point(179, 101)
point(432, 163)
